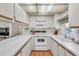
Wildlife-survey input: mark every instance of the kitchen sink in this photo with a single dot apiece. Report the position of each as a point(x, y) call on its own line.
point(66, 40)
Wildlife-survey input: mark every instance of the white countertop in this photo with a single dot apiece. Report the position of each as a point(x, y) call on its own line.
point(71, 46)
point(9, 47)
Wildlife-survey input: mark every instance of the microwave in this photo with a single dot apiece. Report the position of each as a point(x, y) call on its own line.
point(4, 31)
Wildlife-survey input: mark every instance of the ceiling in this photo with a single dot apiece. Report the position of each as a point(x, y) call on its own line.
point(44, 9)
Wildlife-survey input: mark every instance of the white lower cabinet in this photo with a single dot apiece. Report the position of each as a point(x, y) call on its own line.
point(68, 53)
point(57, 49)
point(32, 43)
point(54, 48)
point(61, 51)
point(26, 51)
point(52, 45)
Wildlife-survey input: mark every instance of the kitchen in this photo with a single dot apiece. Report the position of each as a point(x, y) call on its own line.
point(39, 28)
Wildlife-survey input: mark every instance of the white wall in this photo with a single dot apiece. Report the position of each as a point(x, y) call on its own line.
point(18, 28)
point(15, 29)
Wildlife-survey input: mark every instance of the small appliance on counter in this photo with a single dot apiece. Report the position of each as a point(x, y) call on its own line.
point(4, 33)
point(56, 31)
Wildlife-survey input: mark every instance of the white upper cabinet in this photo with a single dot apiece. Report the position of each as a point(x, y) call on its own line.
point(25, 17)
point(60, 16)
point(20, 14)
point(7, 10)
point(74, 14)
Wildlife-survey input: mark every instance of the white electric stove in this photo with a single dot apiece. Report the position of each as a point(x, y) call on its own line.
point(40, 43)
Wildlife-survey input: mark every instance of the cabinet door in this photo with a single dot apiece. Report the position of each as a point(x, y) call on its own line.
point(27, 18)
point(33, 43)
point(27, 49)
point(18, 13)
point(52, 45)
point(7, 10)
point(24, 17)
point(61, 51)
point(74, 14)
point(68, 53)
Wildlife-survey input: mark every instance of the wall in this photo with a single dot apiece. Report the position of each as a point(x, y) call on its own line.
point(18, 28)
point(14, 27)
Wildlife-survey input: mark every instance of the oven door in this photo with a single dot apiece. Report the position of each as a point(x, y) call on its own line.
point(41, 43)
